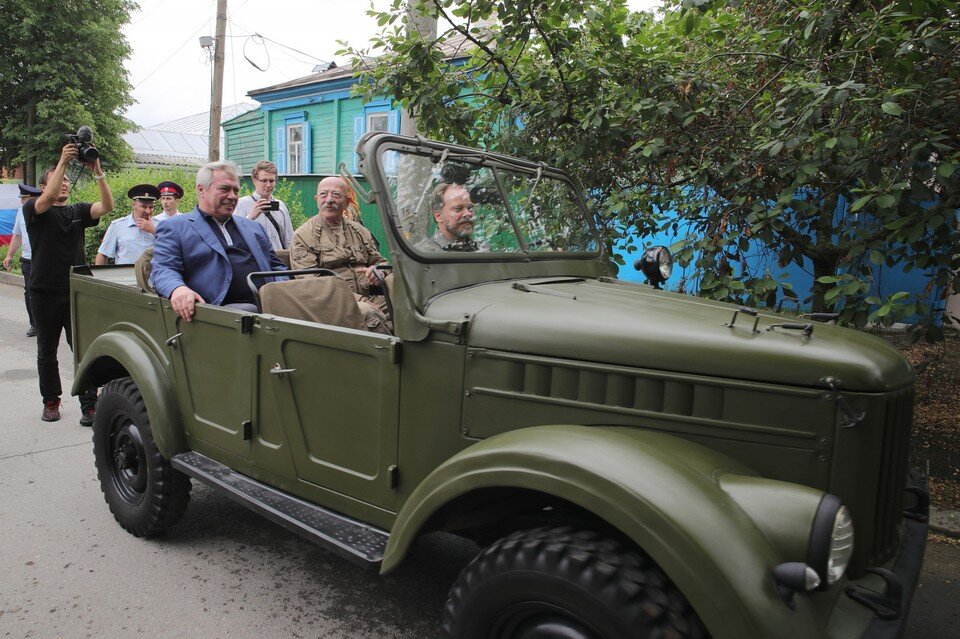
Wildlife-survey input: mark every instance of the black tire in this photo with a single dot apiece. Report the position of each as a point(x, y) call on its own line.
point(145, 494)
point(565, 583)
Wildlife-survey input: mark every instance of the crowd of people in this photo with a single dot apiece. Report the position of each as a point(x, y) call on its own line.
point(205, 255)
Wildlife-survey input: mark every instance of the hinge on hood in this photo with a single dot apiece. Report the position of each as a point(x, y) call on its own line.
point(848, 419)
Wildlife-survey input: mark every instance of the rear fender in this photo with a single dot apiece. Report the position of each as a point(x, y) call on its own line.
point(143, 365)
point(664, 493)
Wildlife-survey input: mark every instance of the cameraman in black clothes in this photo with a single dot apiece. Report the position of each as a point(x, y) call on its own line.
point(56, 231)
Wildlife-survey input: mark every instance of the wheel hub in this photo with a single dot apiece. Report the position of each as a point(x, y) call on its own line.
point(128, 472)
point(126, 456)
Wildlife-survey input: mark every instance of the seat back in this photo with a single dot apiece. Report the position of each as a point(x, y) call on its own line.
point(325, 300)
point(142, 269)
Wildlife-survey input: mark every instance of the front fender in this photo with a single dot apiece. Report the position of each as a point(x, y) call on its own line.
point(661, 491)
point(143, 366)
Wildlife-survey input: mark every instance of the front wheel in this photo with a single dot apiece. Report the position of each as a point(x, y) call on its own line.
point(565, 583)
point(145, 494)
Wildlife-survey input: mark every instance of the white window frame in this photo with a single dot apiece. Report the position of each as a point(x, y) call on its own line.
point(296, 149)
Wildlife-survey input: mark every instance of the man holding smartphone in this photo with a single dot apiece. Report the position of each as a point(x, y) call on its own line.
point(261, 207)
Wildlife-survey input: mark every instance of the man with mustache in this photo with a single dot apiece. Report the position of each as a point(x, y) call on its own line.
point(329, 240)
point(453, 212)
point(205, 256)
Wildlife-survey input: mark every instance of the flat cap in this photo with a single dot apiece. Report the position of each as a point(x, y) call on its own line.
point(171, 188)
point(147, 192)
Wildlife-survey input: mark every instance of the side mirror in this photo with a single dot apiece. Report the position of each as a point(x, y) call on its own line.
point(656, 264)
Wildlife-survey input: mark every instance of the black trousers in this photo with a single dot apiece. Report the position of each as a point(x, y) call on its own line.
point(25, 269)
point(51, 312)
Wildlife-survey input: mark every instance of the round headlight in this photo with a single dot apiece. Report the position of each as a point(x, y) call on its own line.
point(831, 540)
point(841, 545)
point(657, 264)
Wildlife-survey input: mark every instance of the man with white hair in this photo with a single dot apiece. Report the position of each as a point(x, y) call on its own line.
point(205, 256)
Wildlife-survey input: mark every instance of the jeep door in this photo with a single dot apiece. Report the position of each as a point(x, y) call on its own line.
point(214, 360)
point(339, 392)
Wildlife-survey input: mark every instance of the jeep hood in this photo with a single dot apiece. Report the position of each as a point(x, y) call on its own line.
point(633, 325)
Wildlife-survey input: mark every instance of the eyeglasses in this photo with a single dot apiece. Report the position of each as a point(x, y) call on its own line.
point(337, 195)
point(267, 180)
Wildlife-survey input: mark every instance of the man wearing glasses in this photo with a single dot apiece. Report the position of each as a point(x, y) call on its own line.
point(330, 240)
point(261, 207)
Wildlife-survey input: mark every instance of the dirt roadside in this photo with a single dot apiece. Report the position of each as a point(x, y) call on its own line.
point(935, 441)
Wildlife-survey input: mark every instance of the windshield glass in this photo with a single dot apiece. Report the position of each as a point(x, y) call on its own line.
point(458, 203)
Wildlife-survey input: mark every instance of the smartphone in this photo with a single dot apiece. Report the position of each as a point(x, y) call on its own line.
point(274, 205)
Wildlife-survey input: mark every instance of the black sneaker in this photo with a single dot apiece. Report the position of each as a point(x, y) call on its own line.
point(32, 331)
point(87, 416)
point(51, 411)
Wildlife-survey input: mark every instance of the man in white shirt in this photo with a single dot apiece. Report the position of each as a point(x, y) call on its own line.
point(261, 207)
point(20, 238)
point(170, 194)
point(128, 237)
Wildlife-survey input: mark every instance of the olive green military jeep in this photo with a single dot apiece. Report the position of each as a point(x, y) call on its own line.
point(638, 463)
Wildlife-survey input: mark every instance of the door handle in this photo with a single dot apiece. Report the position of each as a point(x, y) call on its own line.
point(173, 340)
point(276, 370)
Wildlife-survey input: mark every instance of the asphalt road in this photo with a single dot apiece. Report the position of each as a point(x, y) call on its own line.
point(68, 570)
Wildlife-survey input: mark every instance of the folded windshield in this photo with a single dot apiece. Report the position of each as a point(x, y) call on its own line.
point(471, 203)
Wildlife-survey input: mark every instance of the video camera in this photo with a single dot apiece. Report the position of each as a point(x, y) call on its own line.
point(455, 173)
point(83, 140)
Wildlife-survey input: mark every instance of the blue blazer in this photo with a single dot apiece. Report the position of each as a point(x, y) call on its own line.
point(188, 252)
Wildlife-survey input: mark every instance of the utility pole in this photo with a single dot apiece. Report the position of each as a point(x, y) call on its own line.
point(216, 89)
point(423, 26)
point(412, 174)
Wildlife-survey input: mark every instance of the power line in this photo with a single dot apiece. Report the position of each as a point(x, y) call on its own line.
point(150, 12)
point(279, 44)
point(170, 57)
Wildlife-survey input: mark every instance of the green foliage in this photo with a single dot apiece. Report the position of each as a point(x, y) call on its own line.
point(14, 263)
point(750, 122)
point(62, 67)
point(86, 190)
point(286, 191)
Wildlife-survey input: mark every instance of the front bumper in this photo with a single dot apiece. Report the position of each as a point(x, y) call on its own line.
point(890, 602)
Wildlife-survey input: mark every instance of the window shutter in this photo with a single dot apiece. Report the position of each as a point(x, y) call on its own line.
point(390, 157)
point(280, 149)
point(307, 149)
point(358, 126)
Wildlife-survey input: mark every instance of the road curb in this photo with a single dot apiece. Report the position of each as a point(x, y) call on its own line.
point(945, 522)
point(11, 278)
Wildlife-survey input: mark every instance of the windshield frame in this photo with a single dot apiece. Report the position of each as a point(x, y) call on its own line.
point(373, 147)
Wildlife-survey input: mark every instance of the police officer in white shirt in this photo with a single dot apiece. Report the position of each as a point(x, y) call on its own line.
point(170, 194)
point(131, 235)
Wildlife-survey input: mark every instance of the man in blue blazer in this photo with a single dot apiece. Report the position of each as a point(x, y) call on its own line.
point(206, 255)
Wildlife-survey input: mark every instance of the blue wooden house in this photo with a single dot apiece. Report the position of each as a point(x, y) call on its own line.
point(308, 127)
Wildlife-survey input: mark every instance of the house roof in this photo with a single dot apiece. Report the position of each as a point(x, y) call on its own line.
point(200, 122)
point(180, 142)
point(167, 143)
point(249, 116)
point(453, 48)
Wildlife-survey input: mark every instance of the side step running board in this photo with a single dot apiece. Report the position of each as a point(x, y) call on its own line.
point(348, 538)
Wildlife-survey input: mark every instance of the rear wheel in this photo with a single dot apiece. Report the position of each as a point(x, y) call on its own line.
point(144, 493)
point(563, 583)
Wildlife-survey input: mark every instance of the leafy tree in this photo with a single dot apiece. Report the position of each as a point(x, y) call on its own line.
point(823, 130)
point(61, 67)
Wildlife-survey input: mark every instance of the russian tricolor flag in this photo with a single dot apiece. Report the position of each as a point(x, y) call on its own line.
point(9, 203)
